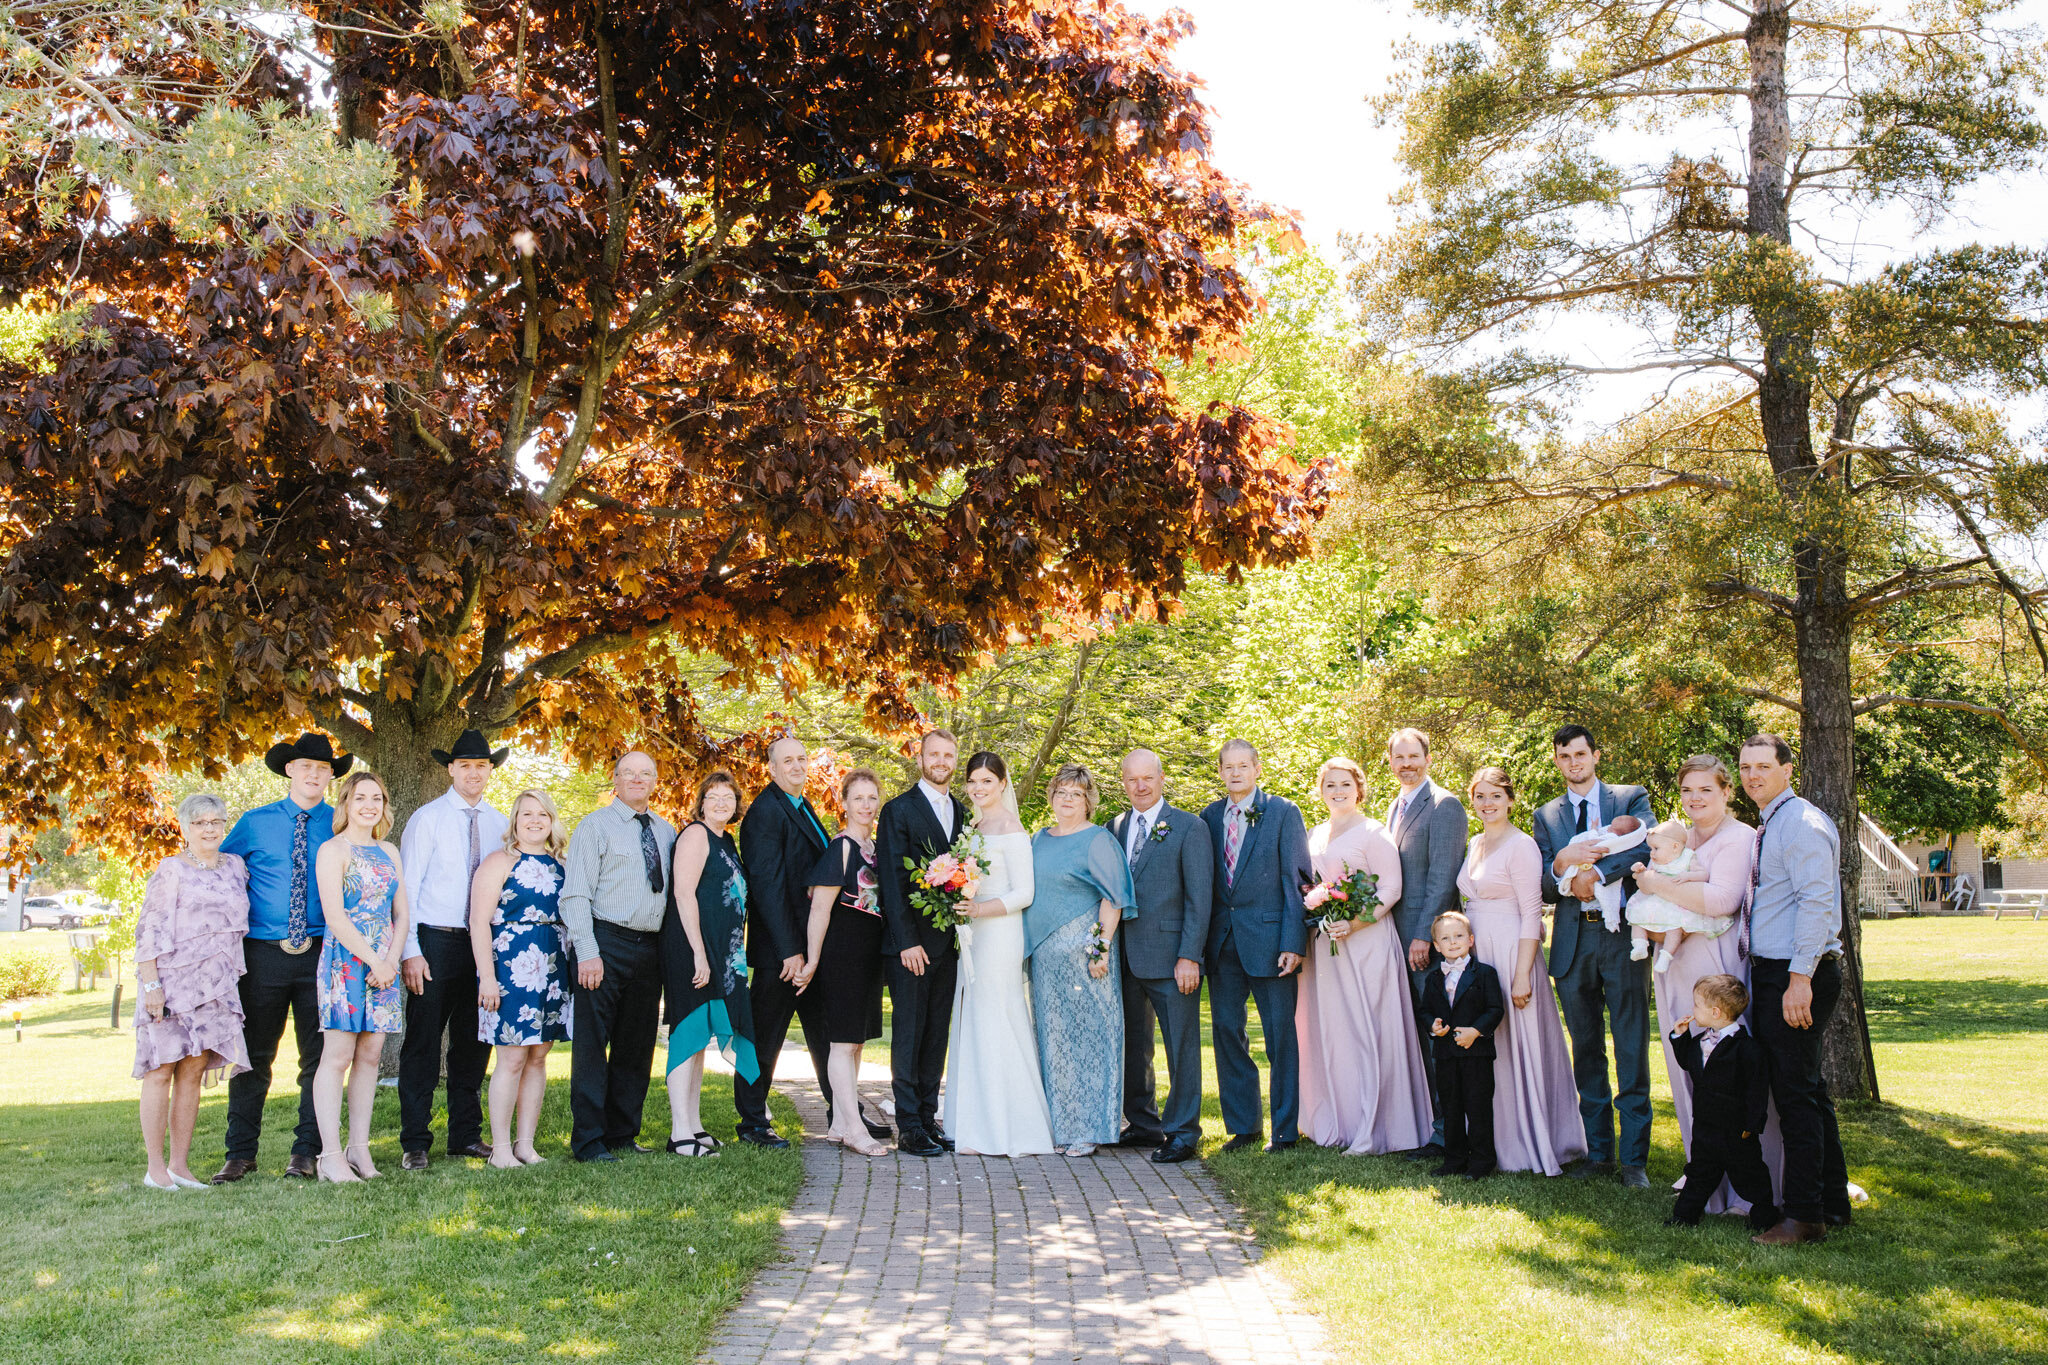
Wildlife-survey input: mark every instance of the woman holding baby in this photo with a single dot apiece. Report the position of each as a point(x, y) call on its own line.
point(1722, 847)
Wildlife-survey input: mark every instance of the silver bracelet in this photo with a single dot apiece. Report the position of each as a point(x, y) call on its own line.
point(148, 986)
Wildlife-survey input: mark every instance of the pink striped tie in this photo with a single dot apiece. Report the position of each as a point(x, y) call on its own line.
point(1233, 839)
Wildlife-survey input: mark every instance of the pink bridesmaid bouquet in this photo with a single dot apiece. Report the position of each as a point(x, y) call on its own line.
point(1350, 898)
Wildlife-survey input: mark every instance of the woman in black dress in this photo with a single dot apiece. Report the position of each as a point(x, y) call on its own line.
point(844, 960)
point(704, 961)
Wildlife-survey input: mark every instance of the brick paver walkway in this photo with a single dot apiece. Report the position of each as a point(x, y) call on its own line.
point(1106, 1260)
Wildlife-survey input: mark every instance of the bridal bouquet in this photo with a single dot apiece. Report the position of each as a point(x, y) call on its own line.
point(1354, 896)
point(942, 886)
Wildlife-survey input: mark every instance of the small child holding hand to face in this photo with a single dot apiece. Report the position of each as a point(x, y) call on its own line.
point(1461, 1005)
point(1651, 916)
point(1731, 1090)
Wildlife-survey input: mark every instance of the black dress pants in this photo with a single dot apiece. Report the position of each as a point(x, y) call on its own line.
point(276, 983)
point(611, 1060)
point(774, 1002)
point(921, 1024)
point(445, 1005)
point(1465, 1089)
point(1718, 1154)
point(1816, 1173)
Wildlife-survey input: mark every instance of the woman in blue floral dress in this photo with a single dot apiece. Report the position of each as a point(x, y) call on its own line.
point(522, 966)
point(362, 896)
point(704, 961)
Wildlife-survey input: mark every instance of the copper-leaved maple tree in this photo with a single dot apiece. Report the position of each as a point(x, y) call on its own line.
point(824, 338)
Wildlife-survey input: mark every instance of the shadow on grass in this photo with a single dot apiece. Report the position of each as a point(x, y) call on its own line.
point(1909, 1011)
point(633, 1260)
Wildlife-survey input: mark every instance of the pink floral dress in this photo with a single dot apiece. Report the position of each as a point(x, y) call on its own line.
point(192, 923)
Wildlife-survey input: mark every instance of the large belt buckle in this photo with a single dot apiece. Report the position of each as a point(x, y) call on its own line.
point(286, 945)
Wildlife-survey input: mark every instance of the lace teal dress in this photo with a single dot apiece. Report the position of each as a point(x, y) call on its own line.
point(717, 1010)
point(1080, 1020)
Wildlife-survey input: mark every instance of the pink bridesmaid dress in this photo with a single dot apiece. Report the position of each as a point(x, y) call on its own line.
point(1726, 859)
point(1536, 1123)
point(1363, 1089)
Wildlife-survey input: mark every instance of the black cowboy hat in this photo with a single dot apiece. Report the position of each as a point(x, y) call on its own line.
point(314, 746)
point(470, 744)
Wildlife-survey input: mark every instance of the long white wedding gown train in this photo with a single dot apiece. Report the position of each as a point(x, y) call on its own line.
point(995, 1099)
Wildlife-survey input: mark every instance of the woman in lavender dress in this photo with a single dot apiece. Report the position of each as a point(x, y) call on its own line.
point(1723, 846)
point(188, 957)
point(362, 895)
point(1363, 1089)
point(1536, 1125)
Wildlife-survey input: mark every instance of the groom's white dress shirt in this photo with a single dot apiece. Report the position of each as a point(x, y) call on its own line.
point(941, 803)
point(435, 851)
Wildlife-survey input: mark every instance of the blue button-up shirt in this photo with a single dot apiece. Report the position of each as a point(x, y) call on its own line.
point(809, 815)
point(262, 839)
point(1797, 911)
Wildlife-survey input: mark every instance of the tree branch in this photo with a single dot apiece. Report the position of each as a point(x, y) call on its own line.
point(1998, 713)
point(1796, 708)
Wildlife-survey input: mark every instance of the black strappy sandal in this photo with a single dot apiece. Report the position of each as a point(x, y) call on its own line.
point(690, 1146)
point(709, 1141)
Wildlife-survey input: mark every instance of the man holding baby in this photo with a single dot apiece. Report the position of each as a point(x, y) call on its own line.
point(1600, 985)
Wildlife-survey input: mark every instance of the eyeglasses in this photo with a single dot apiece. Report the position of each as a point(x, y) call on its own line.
point(210, 824)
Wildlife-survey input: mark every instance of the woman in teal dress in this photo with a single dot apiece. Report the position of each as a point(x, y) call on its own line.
point(704, 962)
point(1082, 892)
point(362, 896)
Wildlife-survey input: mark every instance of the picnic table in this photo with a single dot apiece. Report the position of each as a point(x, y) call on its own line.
point(2029, 903)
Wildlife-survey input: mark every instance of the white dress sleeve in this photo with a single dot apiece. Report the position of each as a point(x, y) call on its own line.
point(1016, 873)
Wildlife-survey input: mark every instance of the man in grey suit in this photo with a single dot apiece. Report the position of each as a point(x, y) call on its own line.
point(1429, 827)
point(1173, 869)
point(1257, 935)
point(1597, 982)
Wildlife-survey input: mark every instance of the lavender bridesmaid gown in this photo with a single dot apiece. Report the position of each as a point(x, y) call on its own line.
point(1726, 859)
point(1536, 1125)
point(1363, 1089)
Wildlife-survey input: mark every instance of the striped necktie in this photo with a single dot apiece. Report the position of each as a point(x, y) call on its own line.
point(1233, 840)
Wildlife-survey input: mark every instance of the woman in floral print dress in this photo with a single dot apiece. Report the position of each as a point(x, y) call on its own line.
point(522, 962)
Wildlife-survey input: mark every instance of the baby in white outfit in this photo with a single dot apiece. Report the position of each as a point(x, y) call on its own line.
point(1623, 831)
point(1650, 916)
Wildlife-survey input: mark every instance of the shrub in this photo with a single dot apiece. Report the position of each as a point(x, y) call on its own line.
point(25, 972)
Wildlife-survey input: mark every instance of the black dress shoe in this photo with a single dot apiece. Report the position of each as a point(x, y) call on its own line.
point(599, 1156)
point(1634, 1178)
point(1481, 1174)
point(1286, 1146)
point(917, 1142)
point(1239, 1141)
point(633, 1147)
point(482, 1150)
point(1674, 1221)
point(1174, 1150)
point(1447, 1168)
point(300, 1168)
point(1591, 1170)
point(1837, 1220)
point(945, 1143)
point(1135, 1139)
point(1429, 1151)
point(231, 1170)
point(763, 1137)
point(413, 1161)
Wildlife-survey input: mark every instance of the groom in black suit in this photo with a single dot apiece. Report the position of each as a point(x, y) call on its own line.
point(780, 841)
point(922, 959)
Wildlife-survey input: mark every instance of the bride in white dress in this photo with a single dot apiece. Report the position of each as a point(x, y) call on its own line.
point(995, 1100)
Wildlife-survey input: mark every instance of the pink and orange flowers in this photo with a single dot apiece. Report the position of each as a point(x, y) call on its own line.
point(1354, 896)
point(947, 882)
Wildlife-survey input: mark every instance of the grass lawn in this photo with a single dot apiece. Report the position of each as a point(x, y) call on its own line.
point(629, 1262)
point(1949, 1262)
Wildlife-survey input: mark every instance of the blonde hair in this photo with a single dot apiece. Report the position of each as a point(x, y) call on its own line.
point(1706, 763)
point(1670, 829)
point(1080, 779)
point(1339, 763)
point(855, 776)
point(557, 838)
point(347, 793)
point(1725, 993)
point(1450, 917)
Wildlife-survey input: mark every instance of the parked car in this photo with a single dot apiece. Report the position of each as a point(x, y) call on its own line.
point(47, 912)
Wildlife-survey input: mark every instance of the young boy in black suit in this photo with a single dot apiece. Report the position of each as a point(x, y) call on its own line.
point(1461, 1007)
point(1731, 1089)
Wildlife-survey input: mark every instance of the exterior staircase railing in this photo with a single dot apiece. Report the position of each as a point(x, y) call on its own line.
point(1887, 886)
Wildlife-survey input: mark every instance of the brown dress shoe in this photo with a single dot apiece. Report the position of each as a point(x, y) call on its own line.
point(300, 1168)
point(413, 1161)
point(480, 1150)
point(233, 1169)
point(1791, 1232)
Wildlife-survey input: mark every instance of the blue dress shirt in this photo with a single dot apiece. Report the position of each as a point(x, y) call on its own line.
point(262, 839)
point(1796, 911)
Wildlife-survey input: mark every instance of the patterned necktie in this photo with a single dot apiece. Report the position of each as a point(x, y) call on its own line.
point(1137, 839)
point(1233, 839)
point(649, 854)
point(1756, 872)
point(476, 848)
point(1400, 818)
point(295, 917)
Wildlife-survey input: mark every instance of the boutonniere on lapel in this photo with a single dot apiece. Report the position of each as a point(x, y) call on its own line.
point(1255, 812)
point(1159, 833)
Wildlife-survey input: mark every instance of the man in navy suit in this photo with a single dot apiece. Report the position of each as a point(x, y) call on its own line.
point(1597, 982)
point(1257, 936)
